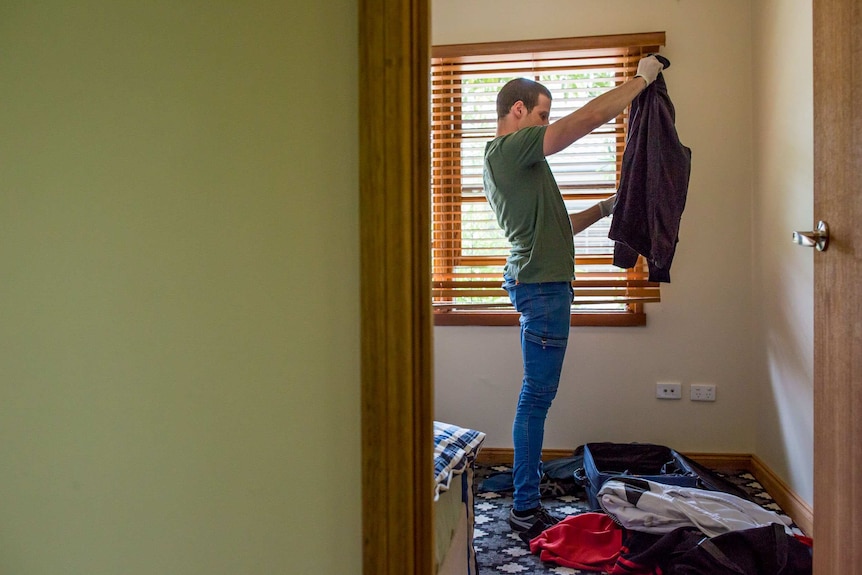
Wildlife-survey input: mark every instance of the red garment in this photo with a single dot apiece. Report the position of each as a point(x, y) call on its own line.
point(590, 541)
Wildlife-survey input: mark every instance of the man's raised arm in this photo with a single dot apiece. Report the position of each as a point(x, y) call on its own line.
point(568, 129)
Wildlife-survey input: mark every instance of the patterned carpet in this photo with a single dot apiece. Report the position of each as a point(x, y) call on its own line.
point(500, 551)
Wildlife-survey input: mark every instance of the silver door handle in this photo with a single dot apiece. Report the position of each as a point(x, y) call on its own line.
point(818, 238)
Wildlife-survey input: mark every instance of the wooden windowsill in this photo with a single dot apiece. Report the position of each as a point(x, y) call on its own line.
point(465, 318)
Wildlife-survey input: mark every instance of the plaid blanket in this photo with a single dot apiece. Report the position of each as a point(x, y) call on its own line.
point(454, 449)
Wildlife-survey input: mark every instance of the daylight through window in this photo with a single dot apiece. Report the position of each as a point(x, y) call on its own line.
point(468, 247)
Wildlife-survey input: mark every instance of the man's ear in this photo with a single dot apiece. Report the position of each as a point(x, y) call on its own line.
point(518, 109)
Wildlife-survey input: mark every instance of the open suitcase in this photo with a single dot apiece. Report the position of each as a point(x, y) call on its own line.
point(604, 461)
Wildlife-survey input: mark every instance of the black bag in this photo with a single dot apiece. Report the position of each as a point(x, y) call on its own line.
point(766, 550)
point(757, 551)
point(558, 475)
point(604, 461)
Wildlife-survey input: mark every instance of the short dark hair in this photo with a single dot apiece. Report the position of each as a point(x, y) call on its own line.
point(522, 89)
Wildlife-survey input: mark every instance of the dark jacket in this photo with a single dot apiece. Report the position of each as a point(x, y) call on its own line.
point(653, 184)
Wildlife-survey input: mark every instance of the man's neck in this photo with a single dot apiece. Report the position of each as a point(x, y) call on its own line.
point(506, 126)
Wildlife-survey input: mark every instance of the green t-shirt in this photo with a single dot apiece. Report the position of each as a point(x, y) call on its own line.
point(523, 193)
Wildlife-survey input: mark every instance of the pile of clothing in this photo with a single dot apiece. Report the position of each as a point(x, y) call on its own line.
point(650, 528)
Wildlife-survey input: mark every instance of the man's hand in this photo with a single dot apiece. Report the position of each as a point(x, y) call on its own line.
point(649, 68)
point(607, 206)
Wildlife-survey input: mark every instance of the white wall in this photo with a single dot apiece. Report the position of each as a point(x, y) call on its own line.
point(737, 217)
point(179, 349)
point(701, 332)
point(783, 201)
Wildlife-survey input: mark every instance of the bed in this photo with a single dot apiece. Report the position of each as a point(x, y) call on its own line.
point(455, 450)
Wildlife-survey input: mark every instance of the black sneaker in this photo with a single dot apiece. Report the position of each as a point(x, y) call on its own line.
point(530, 526)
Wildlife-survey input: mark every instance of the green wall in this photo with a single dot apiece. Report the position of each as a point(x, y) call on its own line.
point(179, 309)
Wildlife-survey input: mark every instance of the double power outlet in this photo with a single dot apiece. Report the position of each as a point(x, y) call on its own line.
point(673, 390)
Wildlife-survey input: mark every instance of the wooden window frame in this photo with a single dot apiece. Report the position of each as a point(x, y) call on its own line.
point(446, 177)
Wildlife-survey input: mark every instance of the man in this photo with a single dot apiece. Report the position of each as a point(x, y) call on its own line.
point(526, 199)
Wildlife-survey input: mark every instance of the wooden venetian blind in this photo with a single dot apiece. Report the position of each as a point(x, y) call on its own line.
point(468, 248)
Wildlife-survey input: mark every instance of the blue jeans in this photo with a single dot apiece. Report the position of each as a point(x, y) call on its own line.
point(545, 311)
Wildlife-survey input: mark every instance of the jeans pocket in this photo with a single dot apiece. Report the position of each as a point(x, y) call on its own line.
point(545, 341)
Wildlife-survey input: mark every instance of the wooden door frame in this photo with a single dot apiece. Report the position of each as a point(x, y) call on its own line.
point(397, 389)
point(395, 277)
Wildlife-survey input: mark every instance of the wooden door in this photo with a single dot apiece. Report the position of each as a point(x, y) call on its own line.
point(838, 287)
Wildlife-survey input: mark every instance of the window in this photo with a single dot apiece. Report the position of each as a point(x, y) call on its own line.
point(468, 248)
